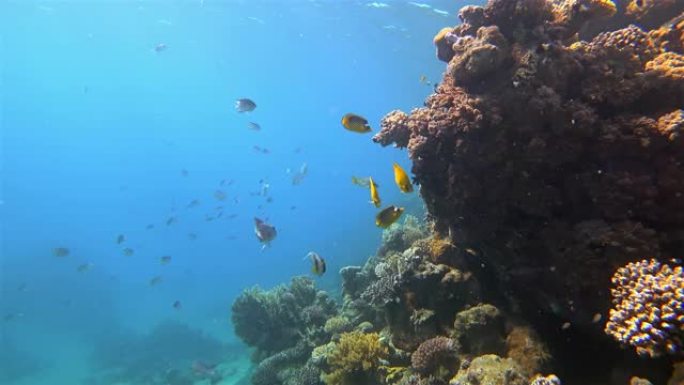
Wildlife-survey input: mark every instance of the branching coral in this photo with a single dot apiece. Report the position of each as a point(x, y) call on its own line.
point(356, 357)
point(649, 308)
point(277, 319)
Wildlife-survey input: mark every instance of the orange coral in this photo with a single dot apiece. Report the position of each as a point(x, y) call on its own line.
point(668, 65)
point(649, 308)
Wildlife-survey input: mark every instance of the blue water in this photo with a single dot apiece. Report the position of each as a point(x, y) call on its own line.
point(97, 129)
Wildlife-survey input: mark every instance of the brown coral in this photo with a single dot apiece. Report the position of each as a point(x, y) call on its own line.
point(556, 160)
point(434, 353)
point(649, 308)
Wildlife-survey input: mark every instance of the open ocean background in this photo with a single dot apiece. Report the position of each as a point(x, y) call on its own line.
point(98, 128)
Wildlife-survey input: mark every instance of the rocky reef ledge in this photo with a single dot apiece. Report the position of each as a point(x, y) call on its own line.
point(551, 162)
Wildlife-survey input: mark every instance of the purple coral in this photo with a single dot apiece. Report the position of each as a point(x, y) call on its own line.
point(649, 308)
point(433, 352)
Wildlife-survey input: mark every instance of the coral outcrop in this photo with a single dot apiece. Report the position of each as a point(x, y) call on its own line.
point(490, 369)
point(649, 308)
point(554, 159)
point(435, 353)
point(283, 325)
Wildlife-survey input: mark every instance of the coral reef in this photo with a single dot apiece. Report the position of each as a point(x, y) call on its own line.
point(525, 346)
point(553, 159)
point(284, 325)
point(490, 369)
point(274, 320)
point(550, 154)
point(649, 308)
point(356, 358)
point(480, 330)
point(435, 353)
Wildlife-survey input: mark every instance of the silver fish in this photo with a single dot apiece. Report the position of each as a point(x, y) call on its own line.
point(244, 105)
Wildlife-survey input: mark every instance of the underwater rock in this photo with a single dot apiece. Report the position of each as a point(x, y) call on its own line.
point(555, 159)
point(480, 330)
point(649, 308)
point(492, 370)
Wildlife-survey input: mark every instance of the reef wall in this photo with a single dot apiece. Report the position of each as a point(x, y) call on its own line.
point(557, 160)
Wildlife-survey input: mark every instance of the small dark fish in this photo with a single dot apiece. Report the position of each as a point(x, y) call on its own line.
point(293, 207)
point(170, 221)
point(244, 105)
point(185, 172)
point(165, 259)
point(155, 280)
point(265, 233)
point(194, 203)
point(220, 214)
point(317, 263)
point(177, 305)
point(128, 251)
point(269, 199)
point(254, 126)
point(21, 287)
point(84, 267)
point(219, 195)
point(231, 216)
point(149, 227)
point(60, 251)
point(388, 216)
point(209, 218)
point(192, 236)
point(120, 239)
point(160, 47)
point(12, 316)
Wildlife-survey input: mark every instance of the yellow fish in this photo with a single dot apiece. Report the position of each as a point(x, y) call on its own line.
point(402, 179)
point(388, 216)
point(375, 197)
point(356, 123)
point(317, 263)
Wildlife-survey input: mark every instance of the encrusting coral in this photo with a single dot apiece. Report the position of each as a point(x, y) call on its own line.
point(490, 369)
point(649, 308)
point(355, 358)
